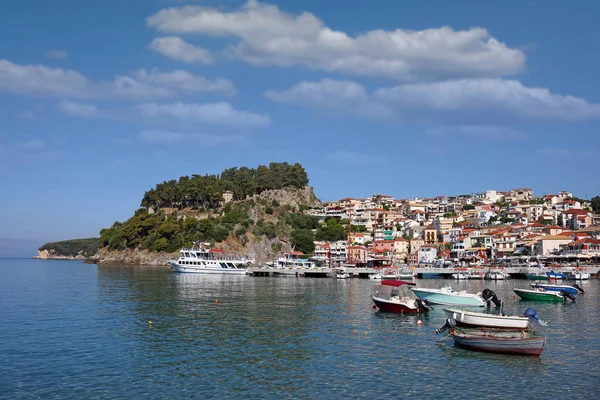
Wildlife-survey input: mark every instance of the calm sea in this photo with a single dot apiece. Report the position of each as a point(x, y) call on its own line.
point(72, 330)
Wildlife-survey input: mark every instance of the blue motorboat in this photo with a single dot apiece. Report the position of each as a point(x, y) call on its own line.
point(556, 275)
point(572, 290)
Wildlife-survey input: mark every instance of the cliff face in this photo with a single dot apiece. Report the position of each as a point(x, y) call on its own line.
point(259, 246)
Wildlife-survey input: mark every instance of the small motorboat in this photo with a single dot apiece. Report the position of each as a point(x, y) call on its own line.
point(398, 301)
point(523, 343)
point(495, 276)
point(542, 295)
point(549, 287)
point(496, 321)
point(375, 277)
point(447, 296)
point(459, 275)
point(342, 274)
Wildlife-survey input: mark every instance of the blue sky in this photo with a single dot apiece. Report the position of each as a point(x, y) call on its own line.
point(101, 100)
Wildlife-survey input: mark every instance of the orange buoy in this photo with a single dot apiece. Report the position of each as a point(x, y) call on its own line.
point(419, 322)
point(217, 301)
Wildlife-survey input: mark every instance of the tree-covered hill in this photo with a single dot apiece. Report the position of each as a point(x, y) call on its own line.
point(206, 191)
point(72, 248)
point(265, 214)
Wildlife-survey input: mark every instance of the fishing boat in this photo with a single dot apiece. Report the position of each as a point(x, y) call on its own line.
point(198, 260)
point(447, 296)
point(578, 276)
point(555, 276)
point(523, 343)
point(540, 295)
point(496, 321)
point(398, 301)
point(572, 290)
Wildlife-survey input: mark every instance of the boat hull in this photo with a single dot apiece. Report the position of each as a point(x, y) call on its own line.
point(394, 306)
point(448, 299)
point(537, 295)
point(501, 345)
point(197, 269)
point(471, 319)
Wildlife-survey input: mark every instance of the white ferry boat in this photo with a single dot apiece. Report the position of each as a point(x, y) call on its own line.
point(198, 260)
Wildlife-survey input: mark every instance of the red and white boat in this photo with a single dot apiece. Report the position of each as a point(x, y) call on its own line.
point(398, 301)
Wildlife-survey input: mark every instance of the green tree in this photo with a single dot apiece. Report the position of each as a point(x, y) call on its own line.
point(596, 204)
point(303, 240)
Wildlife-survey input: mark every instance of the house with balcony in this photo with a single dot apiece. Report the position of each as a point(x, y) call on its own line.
point(548, 245)
point(576, 219)
point(430, 234)
point(520, 194)
point(587, 246)
point(415, 244)
point(357, 255)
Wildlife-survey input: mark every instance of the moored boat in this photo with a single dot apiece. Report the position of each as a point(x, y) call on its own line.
point(518, 343)
point(539, 295)
point(342, 274)
point(398, 302)
point(572, 290)
point(447, 296)
point(477, 319)
point(198, 260)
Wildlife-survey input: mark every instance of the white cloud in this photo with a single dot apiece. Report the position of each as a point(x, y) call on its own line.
point(327, 93)
point(78, 109)
point(268, 36)
point(173, 138)
point(209, 113)
point(58, 54)
point(183, 81)
point(467, 100)
point(178, 49)
point(494, 95)
point(39, 80)
point(486, 132)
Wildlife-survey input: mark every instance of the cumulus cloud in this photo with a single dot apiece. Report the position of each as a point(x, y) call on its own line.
point(173, 138)
point(221, 113)
point(178, 49)
point(58, 54)
point(39, 80)
point(78, 109)
point(466, 99)
point(269, 36)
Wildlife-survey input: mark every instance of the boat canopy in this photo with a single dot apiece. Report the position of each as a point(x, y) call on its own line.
point(397, 283)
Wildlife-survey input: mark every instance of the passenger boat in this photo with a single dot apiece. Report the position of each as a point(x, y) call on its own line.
point(539, 295)
point(497, 321)
point(572, 290)
point(398, 302)
point(198, 260)
point(522, 343)
point(447, 296)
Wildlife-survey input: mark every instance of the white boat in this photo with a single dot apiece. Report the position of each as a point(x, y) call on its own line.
point(496, 275)
point(459, 275)
point(477, 319)
point(292, 260)
point(375, 276)
point(198, 260)
point(447, 296)
point(342, 274)
point(472, 274)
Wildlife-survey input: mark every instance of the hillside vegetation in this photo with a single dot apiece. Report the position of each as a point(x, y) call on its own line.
point(264, 218)
point(72, 248)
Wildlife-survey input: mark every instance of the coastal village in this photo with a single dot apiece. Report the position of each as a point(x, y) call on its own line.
point(466, 230)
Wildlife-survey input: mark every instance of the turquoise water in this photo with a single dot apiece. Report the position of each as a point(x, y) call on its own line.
point(72, 330)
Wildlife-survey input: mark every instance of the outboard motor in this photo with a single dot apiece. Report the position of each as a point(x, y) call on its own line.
point(423, 306)
point(576, 286)
point(450, 324)
point(488, 295)
point(533, 316)
point(566, 295)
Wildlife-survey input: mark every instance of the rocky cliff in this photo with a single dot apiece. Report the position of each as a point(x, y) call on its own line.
point(52, 255)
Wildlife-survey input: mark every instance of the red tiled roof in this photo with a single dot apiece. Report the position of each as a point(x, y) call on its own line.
point(576, 211)
point(585, 241)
